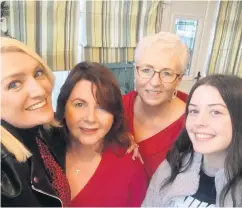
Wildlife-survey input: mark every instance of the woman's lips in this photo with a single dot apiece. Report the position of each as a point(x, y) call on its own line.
point(89, 130)
point(203, 136)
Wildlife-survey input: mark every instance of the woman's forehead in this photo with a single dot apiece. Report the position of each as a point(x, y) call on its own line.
point(17, 62)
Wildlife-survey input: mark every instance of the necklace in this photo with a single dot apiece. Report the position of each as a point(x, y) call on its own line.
point(77, 172)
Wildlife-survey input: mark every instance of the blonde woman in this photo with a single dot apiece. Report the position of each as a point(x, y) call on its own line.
point(31, 174)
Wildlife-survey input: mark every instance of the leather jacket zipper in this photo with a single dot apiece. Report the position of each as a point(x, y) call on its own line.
point(40, 191)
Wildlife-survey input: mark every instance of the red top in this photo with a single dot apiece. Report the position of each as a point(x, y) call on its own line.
point(154, 149)
point(118, 181)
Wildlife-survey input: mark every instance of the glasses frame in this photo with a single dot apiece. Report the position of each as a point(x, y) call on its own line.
point(177, 75)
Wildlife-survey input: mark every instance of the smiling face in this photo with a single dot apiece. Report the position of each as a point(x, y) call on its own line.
point(86, 121)
point(25, 91)
point(208, 122)
point(153, 91)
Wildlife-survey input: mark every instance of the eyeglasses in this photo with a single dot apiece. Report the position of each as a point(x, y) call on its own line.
point(166, 75)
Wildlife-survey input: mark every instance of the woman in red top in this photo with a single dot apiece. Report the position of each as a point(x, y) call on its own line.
point(99, 171)
point(155, 112)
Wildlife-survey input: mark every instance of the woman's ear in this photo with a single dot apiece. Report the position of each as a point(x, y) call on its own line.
point(178, 80)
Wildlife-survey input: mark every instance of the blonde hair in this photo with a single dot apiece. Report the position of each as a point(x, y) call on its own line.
point(165, 40)
point(12, 144)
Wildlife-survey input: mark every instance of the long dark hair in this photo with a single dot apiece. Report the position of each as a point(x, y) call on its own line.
point(108, 96)
point(230, 89)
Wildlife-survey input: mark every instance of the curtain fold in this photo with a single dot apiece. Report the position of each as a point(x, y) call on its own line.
point(113, 28)
point(109, 55)
point(48, 27)
point(226, 56)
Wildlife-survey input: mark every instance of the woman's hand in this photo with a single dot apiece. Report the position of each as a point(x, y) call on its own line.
point(135, 148)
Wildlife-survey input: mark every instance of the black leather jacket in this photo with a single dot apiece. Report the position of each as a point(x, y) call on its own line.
point(26, 184)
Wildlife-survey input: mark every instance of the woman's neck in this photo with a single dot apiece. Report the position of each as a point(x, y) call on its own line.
point(83, 152)
point(213, 162)
point(160, 111)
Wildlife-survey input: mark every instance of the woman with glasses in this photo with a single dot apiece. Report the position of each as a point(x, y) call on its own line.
point(155, 110)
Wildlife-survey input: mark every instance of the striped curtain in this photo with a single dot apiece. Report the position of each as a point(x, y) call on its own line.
point(226, 56)
point(114, 27)
point(109, 55)
point(48, 27)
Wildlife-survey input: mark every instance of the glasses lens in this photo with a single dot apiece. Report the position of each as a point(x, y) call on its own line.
point(167, 76)
point(145, 72)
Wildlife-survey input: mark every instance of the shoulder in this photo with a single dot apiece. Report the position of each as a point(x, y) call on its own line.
point(129, 97)
point(155, 194)
point(53, 136)
point(11, 172)
point(55, 140)
point(163, 171)
point(52, 131)
point(4, 153)
point(123, 160)
point(182, 96)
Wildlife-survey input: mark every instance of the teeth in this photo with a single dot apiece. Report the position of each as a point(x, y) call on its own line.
point(203, 136)
point(37, 106)
point(157, 92)
point(88, 129)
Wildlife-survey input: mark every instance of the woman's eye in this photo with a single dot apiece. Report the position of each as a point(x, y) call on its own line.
point(39, 73)
point(166, 73)
point(215, 112)
point(14, 85)
point(79, 105)
point(192, 111)
point(146, 70)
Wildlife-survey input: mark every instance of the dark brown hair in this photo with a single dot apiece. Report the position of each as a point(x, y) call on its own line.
point(230, 89)
point(108, 96)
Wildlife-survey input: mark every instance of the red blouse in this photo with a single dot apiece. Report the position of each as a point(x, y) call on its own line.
point(154, 149)
point(118, 181)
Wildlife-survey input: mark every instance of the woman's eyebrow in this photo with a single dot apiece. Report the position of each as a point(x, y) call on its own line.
point(214, 104)
point(14, 75)
point(78, 99)
point(211, 105)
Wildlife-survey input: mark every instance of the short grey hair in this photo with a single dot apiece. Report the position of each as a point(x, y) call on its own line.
point(165, 40)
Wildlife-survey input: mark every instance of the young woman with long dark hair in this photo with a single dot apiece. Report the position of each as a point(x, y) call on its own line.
point(204, 167)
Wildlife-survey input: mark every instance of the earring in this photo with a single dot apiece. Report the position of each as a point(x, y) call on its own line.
point(174, 94)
